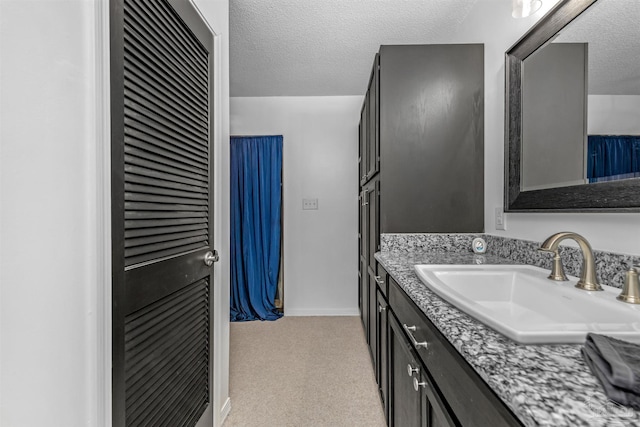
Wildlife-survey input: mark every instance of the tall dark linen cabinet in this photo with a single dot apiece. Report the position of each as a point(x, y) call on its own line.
point(421, 163)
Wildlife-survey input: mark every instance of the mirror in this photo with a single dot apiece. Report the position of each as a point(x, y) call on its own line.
point(573, 105)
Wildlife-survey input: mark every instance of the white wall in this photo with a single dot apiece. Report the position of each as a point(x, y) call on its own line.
point(54, 258)
point(613, 115)
point(320, 158)
point(49, 225)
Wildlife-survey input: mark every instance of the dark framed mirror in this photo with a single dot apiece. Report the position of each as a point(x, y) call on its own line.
point(556, 75)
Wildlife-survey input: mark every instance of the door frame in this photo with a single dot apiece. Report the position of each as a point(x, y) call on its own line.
point(102, 298)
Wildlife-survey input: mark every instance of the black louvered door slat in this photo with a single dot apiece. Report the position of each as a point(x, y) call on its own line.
point(162, 203)
point(140, 188)
point(137, 46)
point(142, 132)
point(151, 386)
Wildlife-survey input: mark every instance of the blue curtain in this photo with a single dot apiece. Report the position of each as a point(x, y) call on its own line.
point(256, 194)
point(613, 157)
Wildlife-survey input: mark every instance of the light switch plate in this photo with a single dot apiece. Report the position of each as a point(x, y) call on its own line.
point(501, 221)
point(309, 204)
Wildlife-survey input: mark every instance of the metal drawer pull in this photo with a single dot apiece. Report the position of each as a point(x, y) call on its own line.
point(379, 281)
point(415, 342)
point(417, 384)
point(411, 370)
point(381, 309)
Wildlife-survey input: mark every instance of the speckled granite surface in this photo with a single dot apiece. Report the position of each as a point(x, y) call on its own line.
point(544, 385)
point(610, 267)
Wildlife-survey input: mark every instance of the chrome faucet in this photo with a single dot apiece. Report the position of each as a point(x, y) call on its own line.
point(588, 280)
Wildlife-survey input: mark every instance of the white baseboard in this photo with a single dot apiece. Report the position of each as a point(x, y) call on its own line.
point(292, 312)
point(224, 412)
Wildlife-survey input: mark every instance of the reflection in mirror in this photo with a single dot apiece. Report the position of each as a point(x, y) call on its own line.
point(573, 110)
point(581, 101)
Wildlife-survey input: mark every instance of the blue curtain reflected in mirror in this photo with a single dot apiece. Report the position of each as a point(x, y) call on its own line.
point(613, 157)
point(256, 195)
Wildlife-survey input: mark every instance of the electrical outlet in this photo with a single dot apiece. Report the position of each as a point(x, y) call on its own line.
point(309, 204)
point(501, 222)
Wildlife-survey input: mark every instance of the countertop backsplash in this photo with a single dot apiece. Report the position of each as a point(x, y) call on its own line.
point(610, 266)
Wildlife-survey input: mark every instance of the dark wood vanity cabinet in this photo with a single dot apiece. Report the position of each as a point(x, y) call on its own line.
point(452, 393)
point(421, 149)
point(421, 145)
point(421, 170)
point(422, 137)
point(422, 379)
point(414, 399)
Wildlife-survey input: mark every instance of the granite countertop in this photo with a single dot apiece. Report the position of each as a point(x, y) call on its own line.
point(544, 385)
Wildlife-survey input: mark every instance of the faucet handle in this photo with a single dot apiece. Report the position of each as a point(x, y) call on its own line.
point(557, 270)
point(631, 289)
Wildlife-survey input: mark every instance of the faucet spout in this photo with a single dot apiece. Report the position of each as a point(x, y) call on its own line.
point(588, 280)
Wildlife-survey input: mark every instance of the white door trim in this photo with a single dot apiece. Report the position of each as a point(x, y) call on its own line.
point(102, 302)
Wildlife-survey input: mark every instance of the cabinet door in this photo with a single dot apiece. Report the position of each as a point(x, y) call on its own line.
point(362, 145)
point(434, 412)
point(383, 333)
point(364, 292)
point(373, 221)
point(360, 263)
point(405, 402)
point(372, 238)
point(364, 157)
point(373, 134)
point(373, 321)
point(364, 263)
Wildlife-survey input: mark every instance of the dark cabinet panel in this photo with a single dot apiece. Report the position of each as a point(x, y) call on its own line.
point(369, 240)
point(383, 281)
point(432, 138)
point(363, 263)
point(382, 372)
point(434, 412)
point(364, 141)
point(405, 402)
point(362, 145)
point(360, 271)
point(373, 159)
point(373, 233)
point(364, 293)
point(373, 323)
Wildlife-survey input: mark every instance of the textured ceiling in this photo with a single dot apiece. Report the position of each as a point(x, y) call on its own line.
point(326, 47)
point(612, 29)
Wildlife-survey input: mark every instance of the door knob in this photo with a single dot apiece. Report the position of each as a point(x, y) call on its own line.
point(211, 257)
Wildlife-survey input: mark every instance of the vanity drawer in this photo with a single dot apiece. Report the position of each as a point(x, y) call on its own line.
point(383, 282)
point(468, 396)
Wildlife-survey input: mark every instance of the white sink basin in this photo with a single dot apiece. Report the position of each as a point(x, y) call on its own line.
point(521, 303)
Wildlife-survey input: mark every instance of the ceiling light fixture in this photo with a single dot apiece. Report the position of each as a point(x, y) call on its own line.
point(524, 8)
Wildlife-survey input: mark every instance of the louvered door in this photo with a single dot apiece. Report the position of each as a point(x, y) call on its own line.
point(161, 213)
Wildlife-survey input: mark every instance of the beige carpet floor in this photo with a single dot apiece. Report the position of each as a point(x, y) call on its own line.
point(302, 371)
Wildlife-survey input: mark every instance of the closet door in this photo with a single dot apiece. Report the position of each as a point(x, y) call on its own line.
point(162, 227)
